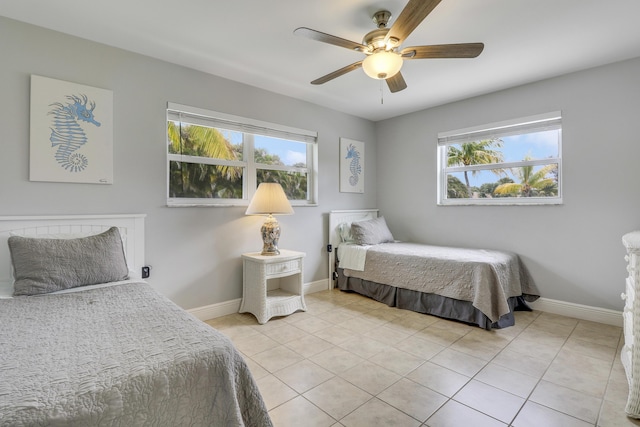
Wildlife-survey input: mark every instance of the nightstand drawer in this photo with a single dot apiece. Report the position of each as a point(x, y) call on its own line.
point(283, 267)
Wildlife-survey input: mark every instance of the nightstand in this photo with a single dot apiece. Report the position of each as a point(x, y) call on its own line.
point(272, 284)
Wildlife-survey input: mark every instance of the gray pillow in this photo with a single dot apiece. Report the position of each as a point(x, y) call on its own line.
point(371, 232)
point(48, 265)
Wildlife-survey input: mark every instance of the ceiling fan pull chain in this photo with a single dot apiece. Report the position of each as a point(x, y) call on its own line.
point(381, 93)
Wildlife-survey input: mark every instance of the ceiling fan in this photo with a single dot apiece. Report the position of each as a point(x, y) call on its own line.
point(382, 46)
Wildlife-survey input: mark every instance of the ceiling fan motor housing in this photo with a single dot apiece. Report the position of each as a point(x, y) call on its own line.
point(376, 40)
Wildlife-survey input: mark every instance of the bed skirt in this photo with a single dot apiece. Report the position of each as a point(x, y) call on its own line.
point(432, 304)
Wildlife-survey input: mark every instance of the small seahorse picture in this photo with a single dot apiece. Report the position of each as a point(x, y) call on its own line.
point(71, 132)
point(351, 166)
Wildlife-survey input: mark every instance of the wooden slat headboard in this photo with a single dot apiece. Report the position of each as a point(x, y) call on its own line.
point(131, 228)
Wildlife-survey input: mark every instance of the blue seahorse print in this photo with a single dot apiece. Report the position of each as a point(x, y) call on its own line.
point(67, 134)
point(354, 166)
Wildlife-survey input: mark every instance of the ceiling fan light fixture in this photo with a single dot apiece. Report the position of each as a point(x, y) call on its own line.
point(382, 64)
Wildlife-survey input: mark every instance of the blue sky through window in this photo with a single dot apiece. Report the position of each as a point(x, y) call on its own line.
point(536, 145)
point(290, 152)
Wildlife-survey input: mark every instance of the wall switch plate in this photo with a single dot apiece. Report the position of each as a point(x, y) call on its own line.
point(146, 271)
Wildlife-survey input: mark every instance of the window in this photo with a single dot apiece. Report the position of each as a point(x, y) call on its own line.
point(219, 159)
point(514, 162)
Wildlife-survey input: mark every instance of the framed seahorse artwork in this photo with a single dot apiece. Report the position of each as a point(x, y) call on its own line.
point(71, 137)
point(351, 166)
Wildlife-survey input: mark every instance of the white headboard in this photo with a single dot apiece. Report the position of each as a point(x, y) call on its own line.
point(335, 219)
point(131, 228)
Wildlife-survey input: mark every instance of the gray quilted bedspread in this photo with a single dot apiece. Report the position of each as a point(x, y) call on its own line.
point(485, 278)
point(119, 356)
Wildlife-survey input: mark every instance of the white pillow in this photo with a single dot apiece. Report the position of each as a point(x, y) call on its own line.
point(344, 229)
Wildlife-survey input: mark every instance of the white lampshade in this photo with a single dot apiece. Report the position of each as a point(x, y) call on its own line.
point(382, 64)
point(269, 199)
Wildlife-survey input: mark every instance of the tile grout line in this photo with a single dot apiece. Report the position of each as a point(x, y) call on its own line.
point(474, 376)
point(543, 374)
point(415, 333)
point(616, 355)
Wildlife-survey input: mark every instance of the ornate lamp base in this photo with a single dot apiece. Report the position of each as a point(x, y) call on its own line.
point(270, 235)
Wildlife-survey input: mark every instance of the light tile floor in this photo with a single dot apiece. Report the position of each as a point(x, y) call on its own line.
point(351, 361)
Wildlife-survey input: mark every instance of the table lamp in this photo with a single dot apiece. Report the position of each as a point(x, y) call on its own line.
point(270, 200)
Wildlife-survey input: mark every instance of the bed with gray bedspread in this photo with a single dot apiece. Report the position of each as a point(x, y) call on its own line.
point(119, 356)
point(477, 286)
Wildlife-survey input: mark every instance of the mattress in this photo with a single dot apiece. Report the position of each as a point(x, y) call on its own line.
point(119, 356)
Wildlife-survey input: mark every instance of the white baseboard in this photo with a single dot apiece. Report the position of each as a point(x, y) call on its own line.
point(569, 309)
point(216, 310)
point(229, 307)
point(579, 311)
point(317, 286)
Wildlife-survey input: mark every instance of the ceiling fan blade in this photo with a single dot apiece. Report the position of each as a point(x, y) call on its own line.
point(396, 83)
point(337, 73)
point(460, 50)
point(328, 38)
point(411, 16)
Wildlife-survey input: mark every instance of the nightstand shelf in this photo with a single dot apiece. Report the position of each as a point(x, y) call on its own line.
point(272, 285)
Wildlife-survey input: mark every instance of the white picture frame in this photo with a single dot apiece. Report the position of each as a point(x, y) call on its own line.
point(351, 166)
point(71, 132)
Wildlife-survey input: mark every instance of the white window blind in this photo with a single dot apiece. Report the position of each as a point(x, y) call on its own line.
point(208, 118)
point(539, 123)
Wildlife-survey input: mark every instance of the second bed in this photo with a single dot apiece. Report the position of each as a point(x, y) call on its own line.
point(476, 286)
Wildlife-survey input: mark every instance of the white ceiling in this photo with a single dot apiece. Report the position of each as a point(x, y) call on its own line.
point(252, 41)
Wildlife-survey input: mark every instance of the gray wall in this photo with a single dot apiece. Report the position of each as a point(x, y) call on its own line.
point(574, 251)
point(194, 251)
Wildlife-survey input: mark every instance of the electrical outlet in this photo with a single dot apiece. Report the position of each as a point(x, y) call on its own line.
point(146, 271)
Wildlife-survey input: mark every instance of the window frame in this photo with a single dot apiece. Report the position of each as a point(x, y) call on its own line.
point(520, 126)
point(248, 127)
